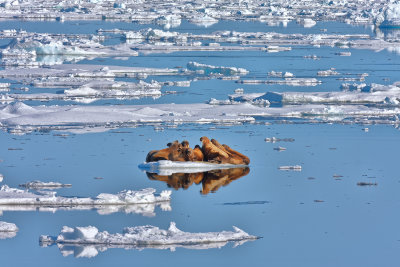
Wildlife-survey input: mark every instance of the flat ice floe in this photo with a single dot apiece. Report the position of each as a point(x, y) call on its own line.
point(142, 201)
point(88, 241)
point(167, 167)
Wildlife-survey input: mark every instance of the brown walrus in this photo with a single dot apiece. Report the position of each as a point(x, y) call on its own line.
point(239, 157)
point(173, 152)
point(215, 152)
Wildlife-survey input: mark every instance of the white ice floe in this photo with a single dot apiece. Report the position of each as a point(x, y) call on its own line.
point(7, 230)
point(89, 241)
point(330, 72)
point(44, 185)
point(290, 168)
point(275, 139)
point(1, 177)
point(9, 196)
point(203, 20)
point(209, 69)
point(307, 22)
point(167, 167)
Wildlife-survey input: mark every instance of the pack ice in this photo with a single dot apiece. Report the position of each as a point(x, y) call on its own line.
point(88, 241)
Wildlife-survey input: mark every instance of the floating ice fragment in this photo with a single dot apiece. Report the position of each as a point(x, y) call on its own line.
point(88, 241)
point(290, 168)
point(44, 185)
point(209, 69)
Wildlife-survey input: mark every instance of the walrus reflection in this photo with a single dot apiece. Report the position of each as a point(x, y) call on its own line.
point(211, 180)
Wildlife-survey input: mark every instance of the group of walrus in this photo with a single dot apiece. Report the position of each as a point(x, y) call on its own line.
point(211, 151)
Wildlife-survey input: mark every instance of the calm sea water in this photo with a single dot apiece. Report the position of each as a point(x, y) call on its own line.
point(315, 217)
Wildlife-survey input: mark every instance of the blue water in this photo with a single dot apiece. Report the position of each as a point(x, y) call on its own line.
point(315, 217)
point(353, 226)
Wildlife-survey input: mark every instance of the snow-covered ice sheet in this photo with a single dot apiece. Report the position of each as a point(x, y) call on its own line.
point(88, 241)
point(167, 167)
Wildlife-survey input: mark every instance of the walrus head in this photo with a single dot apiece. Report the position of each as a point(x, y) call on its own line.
point(197, 146)
point(185, 143)
point(204, 139)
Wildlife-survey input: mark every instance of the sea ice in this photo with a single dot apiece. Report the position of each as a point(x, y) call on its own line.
point(167, 167)
point(88, 241)
point(13, 196)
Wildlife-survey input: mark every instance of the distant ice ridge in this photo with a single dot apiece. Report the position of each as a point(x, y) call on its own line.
point(10, 196)
point(44, 185)
point(89, 241)
point(7, 230)
point(167, 167)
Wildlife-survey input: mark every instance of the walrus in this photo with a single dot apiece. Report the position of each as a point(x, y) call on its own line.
point(235, 156)
point(213, 153)
point(172, 152)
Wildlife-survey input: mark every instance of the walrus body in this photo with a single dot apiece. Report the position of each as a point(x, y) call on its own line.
point(215, 152)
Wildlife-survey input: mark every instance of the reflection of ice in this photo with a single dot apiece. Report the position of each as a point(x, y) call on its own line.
point(143, 201)
point(88, 241)
point(143, 209)
point(211, 180)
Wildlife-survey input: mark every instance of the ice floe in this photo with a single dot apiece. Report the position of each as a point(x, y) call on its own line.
point(89, 241)
point(44, 185)
point(167, 167)
point(290, 168)
point(7, 230)
point(142, 201)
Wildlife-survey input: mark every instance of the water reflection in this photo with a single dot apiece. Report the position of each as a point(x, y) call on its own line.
point(142, 209)
point(90, 250)
point(211, 180)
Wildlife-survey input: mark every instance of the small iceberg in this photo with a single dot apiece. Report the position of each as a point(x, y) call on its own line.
point(88, 241)
point(167, 167)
